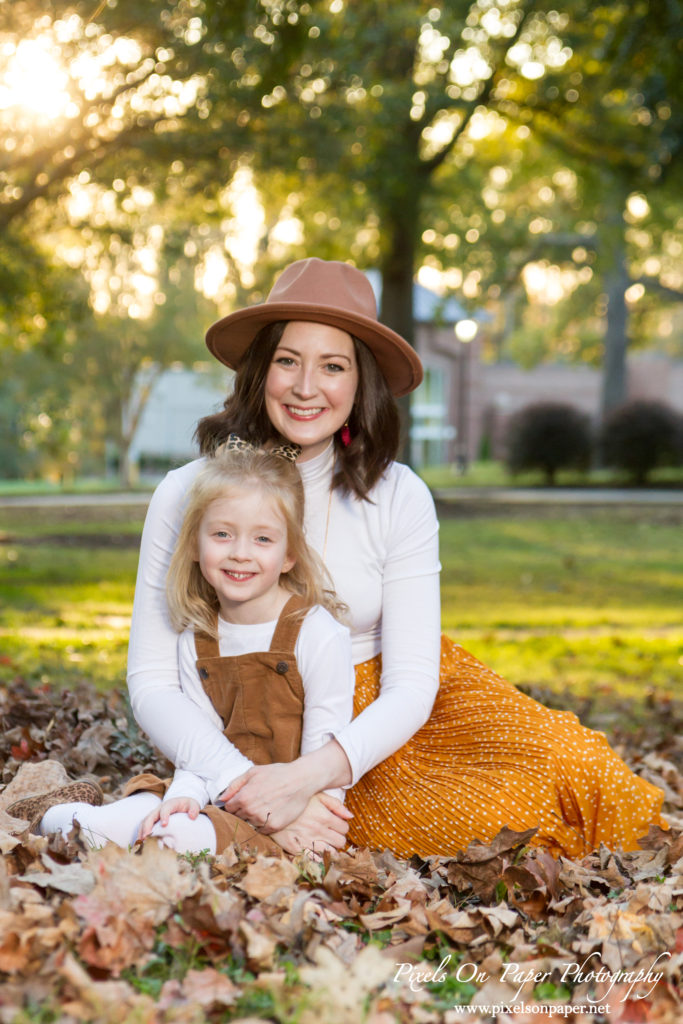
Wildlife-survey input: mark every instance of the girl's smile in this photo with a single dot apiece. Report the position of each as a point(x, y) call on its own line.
point(242, 553)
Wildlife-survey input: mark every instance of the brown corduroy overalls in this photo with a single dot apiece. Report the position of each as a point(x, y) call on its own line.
point(260, 698)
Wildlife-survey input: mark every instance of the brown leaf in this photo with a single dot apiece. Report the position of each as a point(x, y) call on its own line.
point(386, 918)
point(133, 894)
point(260, 946)
point(481, 865)
point(29, 935)
point(459, 925)
point(107, 1002)
point(339, 993)
point(352, 871)
point(267, 876)
point(145, 886)
point(207, 988)
point(70, 878)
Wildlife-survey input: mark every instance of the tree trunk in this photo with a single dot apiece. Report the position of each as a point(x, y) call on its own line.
point(397, 282)
point(616, 336)
point(396, 311)
point(132, 408)
point(617, 280)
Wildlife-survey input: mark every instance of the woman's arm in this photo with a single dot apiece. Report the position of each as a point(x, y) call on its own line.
point(410, 619)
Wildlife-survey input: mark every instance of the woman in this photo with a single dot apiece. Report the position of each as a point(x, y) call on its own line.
point(441, 751)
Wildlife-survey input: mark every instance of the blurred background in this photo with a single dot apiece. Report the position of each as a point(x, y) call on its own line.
point(507, 173)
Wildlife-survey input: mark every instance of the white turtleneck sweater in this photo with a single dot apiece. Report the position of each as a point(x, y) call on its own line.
point(382, 556)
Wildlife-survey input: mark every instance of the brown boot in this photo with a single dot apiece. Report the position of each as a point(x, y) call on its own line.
point(32, 808)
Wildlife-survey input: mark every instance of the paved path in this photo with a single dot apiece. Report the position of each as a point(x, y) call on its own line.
point(557, 496)
point(447, 495)
point(140, 498)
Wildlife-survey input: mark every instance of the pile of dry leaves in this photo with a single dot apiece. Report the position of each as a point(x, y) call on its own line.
point(500, 932)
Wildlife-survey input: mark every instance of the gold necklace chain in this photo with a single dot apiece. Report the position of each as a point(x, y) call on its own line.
point(327, 523)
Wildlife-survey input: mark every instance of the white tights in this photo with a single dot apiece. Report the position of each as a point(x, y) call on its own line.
point(119, 823)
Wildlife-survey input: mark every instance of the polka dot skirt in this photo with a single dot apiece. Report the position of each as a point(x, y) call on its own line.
point(490, 756)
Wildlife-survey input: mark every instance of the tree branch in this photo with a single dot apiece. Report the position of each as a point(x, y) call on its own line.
point(483, 98)
point(655, 285)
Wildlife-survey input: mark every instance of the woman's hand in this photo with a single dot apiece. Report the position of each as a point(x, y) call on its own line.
point(322, 826)
point(271, 796)
point(164, 811)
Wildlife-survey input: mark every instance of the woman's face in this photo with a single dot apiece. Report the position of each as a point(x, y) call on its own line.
point(311, 384)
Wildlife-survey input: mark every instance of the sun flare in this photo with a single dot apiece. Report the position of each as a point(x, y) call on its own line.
point(36, 82)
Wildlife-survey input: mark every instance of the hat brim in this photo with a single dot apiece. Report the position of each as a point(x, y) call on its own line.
point(228, 339)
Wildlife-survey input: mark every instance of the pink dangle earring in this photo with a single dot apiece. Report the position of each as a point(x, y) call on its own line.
point(345, 435)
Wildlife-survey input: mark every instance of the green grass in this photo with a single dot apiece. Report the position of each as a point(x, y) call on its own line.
point(65, 599)
point(494, 474)
point(79, 485)
point(570, 602)
point(583, 604)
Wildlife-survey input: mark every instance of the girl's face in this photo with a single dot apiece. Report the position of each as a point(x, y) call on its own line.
point(311, 384)
point(242, 551)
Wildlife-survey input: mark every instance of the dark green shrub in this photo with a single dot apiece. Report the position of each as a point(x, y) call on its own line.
point(639, 436)
point(549, 436)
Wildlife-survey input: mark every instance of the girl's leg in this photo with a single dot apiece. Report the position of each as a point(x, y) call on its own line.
point(117, 822)
point(187, 835)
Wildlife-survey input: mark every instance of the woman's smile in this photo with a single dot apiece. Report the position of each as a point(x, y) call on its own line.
point(311, 384)
point(298, 413)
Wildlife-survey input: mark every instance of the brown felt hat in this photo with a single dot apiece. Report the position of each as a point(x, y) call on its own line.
point(327, 292)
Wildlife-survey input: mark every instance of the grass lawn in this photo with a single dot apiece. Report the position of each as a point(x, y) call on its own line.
point(584, 603)
point(67, 577)
point(581, 604)
point(494, 474)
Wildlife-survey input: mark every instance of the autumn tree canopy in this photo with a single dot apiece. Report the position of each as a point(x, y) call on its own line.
point(160, 161)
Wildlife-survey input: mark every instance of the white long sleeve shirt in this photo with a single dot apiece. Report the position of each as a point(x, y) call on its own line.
point(382, 556)
point(323, 658)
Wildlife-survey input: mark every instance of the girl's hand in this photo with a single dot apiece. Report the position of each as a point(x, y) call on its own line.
point(322, 826)
point(164, 811)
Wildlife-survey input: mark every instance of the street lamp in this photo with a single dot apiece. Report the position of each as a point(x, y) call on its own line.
point(465, 331)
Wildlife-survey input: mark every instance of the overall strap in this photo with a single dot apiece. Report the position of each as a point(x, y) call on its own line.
point(288, 626)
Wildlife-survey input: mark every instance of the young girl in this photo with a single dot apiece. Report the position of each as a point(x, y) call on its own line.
point(260, 653)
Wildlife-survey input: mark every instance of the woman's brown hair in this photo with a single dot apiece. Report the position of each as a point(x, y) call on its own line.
point(374, 421)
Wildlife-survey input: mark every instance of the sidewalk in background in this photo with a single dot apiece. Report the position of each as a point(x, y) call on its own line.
point(479, 496)
point(140, 498)
point(558, 496)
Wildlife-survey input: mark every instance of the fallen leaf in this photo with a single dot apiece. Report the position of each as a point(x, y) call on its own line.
point(342, 992)
point(480, 867)
point(267, 876)
point(70, 878)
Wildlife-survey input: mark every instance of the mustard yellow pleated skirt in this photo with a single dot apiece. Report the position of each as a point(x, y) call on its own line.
point(490, 756)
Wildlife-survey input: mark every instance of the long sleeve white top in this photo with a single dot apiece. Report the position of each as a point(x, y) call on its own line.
point(382, 556)
point(323, 658)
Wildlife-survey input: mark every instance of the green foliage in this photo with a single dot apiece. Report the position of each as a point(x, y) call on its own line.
point(477, 140)
point(38, 1013)
point(548, 990)
point(448, 991)
point(548, 436)
point(640, 436)
point(168, 961)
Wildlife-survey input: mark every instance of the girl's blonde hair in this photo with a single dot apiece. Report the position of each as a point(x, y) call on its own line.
point(192, 602)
